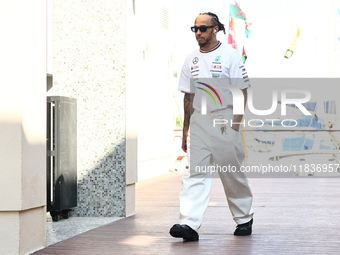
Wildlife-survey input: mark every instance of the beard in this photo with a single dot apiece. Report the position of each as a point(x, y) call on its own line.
point(206, 41)
point(202, 44)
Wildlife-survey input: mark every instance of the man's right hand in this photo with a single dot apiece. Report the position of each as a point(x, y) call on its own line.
point(184, 143)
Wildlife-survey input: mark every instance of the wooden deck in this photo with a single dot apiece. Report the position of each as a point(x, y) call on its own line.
point(292, 216)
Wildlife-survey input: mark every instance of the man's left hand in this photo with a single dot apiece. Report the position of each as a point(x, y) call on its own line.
point(236, 127)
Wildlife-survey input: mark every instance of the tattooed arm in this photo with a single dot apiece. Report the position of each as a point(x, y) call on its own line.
point(188, 110)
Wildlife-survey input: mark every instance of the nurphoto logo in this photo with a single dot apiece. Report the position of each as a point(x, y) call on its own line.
point(238, 104)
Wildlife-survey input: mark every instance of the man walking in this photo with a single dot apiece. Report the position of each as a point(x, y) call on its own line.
point(207, 142)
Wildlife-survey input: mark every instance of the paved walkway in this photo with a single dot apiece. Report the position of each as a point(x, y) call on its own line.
point(292, 216)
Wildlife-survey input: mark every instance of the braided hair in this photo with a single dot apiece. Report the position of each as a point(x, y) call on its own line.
point(215, 21)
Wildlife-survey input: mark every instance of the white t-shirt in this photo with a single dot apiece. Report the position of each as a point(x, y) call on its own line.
point(221, 62)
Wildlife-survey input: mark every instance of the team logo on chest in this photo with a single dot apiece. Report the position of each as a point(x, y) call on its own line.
point(217, 62)
point(217, 67)
point(195, 60)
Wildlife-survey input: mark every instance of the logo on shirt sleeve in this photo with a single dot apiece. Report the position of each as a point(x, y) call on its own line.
point(244, 73)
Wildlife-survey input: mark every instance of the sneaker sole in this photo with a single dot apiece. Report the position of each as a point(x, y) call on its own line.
point(242, 234)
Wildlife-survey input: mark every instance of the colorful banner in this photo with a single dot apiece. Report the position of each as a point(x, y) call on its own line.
point(231, 34)
point(236, 12)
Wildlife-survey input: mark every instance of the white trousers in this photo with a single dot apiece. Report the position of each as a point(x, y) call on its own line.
point(209, 145)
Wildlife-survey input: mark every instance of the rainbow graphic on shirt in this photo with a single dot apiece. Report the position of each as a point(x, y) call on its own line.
point(209, 93)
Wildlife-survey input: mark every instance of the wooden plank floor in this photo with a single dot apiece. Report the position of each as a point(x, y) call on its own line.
point(292, 216)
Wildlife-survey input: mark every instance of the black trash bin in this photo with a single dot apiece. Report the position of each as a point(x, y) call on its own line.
point(61, 156)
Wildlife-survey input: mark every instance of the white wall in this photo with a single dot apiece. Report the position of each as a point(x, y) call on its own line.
point(22, 126)
point(155, 90)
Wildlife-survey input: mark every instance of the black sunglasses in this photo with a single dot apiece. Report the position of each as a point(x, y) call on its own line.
point(201, 28)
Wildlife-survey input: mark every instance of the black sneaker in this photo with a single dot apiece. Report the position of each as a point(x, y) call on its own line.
point(244, 229)
point(184, 231)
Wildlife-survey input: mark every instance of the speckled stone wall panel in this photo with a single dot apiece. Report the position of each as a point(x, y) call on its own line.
point(89, 65)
